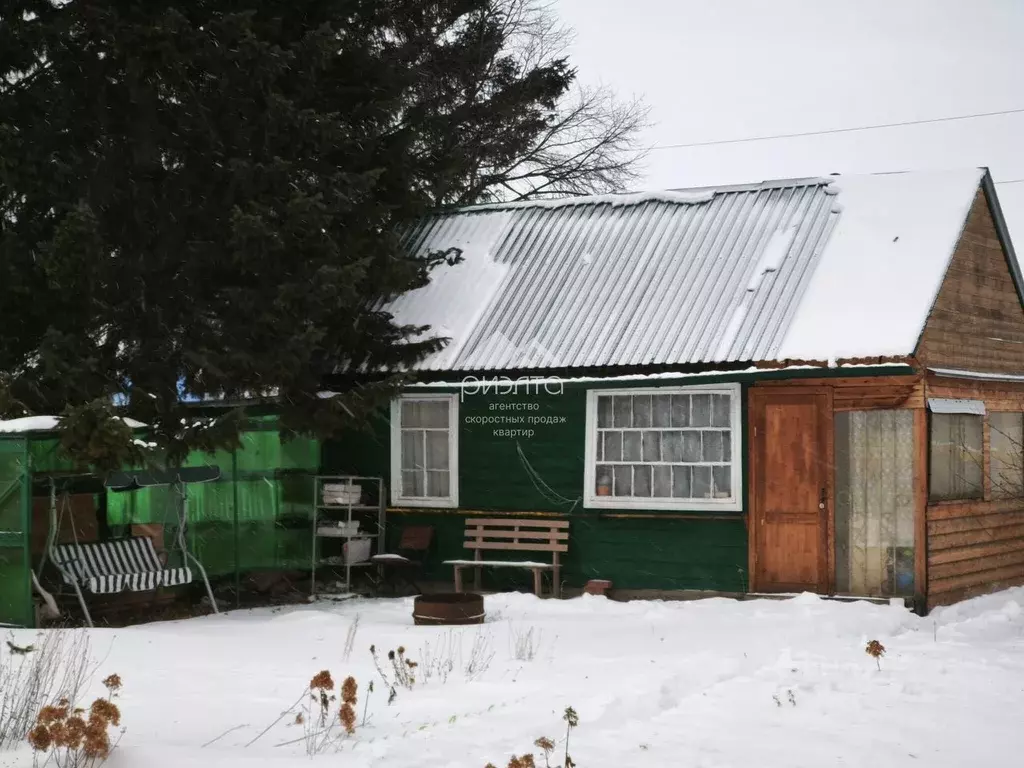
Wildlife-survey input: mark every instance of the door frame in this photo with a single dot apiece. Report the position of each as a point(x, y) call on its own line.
point(758, 398)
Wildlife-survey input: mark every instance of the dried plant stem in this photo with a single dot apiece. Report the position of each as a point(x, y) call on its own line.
point(284, 714)
point(229, 730)
point(366, 702)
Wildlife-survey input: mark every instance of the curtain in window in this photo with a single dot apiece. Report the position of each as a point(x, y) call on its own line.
point(874, 503)
point(426, 464)
point(956, 457)
point(676, 446)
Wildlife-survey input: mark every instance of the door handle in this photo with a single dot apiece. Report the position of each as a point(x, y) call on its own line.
point(822, 499)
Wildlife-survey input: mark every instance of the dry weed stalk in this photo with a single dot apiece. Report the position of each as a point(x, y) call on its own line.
point(350, 639)
point(57, 666)
point(481, 654)
point(876, 650)
point(347, 712)
point(525, 644)
point(439, 658)
point(547, 746)
point(316, 718)
point(403, 671)
point(73, 737)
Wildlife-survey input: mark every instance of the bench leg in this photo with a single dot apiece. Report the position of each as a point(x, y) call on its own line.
point(458, 578)
point(556, 582)
point(476, 578)
point(537, 584)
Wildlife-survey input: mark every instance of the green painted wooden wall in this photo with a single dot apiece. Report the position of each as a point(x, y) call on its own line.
point(543, 472)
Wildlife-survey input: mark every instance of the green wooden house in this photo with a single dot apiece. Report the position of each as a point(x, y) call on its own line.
point(733, 390)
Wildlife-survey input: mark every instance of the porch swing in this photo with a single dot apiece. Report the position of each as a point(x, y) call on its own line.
point(130, 563)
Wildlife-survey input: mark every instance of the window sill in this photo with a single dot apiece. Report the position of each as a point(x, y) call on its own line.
point(649, 505)
point(958, 502)
point(431, 503)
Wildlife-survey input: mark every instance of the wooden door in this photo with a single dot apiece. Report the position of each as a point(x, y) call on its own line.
point(791, 489)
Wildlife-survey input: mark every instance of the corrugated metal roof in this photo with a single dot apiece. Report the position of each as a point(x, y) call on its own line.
point(672, 278)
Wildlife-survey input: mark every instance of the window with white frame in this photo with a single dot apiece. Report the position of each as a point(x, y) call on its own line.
point(664, 448)
point(424, 451)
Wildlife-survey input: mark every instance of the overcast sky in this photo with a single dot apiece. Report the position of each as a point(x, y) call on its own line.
point(730, 69)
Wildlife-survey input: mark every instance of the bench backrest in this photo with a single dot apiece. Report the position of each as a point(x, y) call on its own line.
point(107, 558)
point(512, 534)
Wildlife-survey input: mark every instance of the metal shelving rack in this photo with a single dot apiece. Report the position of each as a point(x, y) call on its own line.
point(361, 511)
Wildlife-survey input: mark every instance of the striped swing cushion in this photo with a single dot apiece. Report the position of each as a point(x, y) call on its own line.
point(107, 567)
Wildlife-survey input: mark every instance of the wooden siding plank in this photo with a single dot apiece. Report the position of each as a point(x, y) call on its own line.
point(973, 551)
point(950, 540)
point(948, 510)
point(1003, 577)
point(979, 522)
point(852, 381)
point(964, 567)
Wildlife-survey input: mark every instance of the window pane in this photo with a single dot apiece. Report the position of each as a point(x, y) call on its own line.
point(680, 410)
point(672, 446)
point(612, 446)
point(631, 446)
point(641, 410)
point(437, 484)
point(641, 480)
point(726, 446)
point(603, 480)
point(956, 456)
point(623, 480)
point(1006, 442)
point(720, 410)
point(712, 449)
point(662, 481)
point(652, 446)
point(691, 446)
point(701, 482)
point(622, 411)
point(604, 411)
point(412, 483)
point(412, 449)
point(437, 450)
point(662, 408)
point(722, 477)
point(425, 413)
point(700, 414)
point(681, 482)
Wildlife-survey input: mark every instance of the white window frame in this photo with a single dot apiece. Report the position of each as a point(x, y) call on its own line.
point(438, 502)
point(734, 504)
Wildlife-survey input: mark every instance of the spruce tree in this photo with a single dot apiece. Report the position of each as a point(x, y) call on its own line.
point(206, 195)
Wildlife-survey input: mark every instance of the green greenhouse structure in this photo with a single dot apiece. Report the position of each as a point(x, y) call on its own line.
point(252, 510)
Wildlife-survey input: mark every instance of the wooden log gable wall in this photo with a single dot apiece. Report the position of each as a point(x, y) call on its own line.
point(976, 324)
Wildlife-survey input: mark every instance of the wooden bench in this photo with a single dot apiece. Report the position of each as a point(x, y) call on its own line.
point(514, 535)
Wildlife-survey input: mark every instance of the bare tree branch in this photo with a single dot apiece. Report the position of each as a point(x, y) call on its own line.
point(591, 145)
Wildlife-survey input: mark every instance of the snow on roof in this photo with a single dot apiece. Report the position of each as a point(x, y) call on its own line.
point(45, 424)
point(841, 267)
point(881, 271)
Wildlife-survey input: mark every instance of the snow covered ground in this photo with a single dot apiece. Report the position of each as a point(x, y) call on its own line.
point(708, 683)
